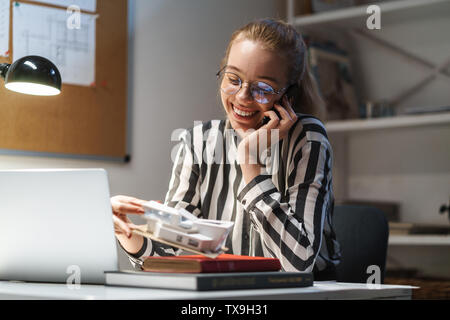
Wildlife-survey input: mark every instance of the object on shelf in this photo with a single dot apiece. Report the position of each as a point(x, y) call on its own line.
point(445, 208)
point(406, 228)
point(327, 46)
point(329, 5)
point(425, 110)
point(377, 109)
point(302, 7)
point(331, 69)
point(390, 209)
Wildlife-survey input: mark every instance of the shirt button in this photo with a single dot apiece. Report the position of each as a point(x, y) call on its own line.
point(244, 202)
point(245, 236)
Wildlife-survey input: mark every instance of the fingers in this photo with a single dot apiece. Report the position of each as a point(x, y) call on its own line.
point(289, 109)
point(137, 201)
point(121, 227)
point(274, 120)
point(124, 226)
point(127, 205)
point(286, 119)
point(288, 114)
point(283, 113)
point(126, 208)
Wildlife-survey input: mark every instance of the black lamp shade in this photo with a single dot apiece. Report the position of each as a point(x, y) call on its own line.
point(33, 75)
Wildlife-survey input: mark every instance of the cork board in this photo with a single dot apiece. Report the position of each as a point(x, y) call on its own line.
point(82, 120)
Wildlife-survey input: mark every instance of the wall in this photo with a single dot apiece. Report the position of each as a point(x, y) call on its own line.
point(175, 51)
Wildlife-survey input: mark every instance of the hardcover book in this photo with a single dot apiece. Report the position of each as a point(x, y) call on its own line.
point(209, 281)
point(201, 264)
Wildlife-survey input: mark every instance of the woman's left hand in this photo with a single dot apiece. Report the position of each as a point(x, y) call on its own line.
point(254, 143)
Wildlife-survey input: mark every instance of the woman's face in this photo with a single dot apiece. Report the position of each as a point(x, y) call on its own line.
point(251, 62)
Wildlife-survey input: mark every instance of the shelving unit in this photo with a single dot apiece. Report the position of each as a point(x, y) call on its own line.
point(389, 122)
point(352, 18)
point(420, 240)
point(392, 11)
point(349, 24)
point(424, 252)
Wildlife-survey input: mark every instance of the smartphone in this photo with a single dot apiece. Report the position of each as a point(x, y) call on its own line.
point(289, 94)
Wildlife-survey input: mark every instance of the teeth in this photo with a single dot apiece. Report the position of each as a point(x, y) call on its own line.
point(243, 113)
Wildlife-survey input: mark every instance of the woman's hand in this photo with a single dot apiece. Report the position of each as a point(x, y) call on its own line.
point(121, 206)
point(288, 119)
point(254, 143)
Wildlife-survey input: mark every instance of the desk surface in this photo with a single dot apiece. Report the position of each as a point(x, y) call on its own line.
point(320, 290)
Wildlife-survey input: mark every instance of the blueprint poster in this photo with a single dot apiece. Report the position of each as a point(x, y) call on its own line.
point(44, 31)
point(88, 5)
point(4, 28)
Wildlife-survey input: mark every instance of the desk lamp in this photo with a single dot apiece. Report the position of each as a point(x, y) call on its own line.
point(32, 75)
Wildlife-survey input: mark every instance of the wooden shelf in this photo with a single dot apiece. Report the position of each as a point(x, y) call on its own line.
point(391, 12)
point(420, 240)
point(441, 118)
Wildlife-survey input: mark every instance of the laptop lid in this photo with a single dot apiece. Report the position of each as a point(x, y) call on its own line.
point(56, 226)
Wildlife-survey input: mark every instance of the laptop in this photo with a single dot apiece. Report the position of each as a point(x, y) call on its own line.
point(56, 226)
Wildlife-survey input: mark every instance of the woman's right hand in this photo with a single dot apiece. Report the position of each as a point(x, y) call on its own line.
point(121, 206)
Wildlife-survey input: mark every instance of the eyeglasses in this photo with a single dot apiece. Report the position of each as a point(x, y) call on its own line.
point(231, 84)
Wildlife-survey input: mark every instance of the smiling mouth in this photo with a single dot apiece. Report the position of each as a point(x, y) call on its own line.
point(243, 114)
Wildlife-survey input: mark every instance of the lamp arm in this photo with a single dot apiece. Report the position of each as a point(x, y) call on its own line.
point(4, 69)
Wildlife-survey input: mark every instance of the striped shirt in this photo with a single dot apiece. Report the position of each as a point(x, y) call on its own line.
point(285, 212)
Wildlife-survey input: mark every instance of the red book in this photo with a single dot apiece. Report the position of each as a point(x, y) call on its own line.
point(201, 264)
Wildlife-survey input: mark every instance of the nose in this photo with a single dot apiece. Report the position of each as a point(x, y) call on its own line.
point(244, 94)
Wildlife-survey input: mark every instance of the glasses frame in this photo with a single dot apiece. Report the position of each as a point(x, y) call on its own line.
point(275, 92)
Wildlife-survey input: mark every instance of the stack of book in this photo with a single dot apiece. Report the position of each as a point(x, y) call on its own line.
point(197, 272)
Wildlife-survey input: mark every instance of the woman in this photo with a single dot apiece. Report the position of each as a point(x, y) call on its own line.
point(272, 162)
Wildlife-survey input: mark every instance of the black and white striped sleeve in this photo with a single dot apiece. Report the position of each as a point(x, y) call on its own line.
point(291, 225)
point(136, 259)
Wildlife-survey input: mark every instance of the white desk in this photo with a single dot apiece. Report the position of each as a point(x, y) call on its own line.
point(320, 290)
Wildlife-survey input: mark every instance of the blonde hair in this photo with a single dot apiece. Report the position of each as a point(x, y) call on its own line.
point(279, 36)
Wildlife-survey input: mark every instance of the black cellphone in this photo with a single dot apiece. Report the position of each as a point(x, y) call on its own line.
point(289, 94)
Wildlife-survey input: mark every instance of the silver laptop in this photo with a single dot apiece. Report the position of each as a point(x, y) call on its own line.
point(56, 226)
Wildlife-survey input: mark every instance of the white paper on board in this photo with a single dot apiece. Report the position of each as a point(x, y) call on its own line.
point(4, 28)
point(43, 31)
point(87, 5)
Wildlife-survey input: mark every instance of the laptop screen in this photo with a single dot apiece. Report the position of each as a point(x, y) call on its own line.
point(56, 226)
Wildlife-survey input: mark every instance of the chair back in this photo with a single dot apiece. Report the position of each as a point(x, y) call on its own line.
point(362, 233)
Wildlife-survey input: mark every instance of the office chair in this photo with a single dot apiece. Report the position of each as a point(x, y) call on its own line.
point(362, 233)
